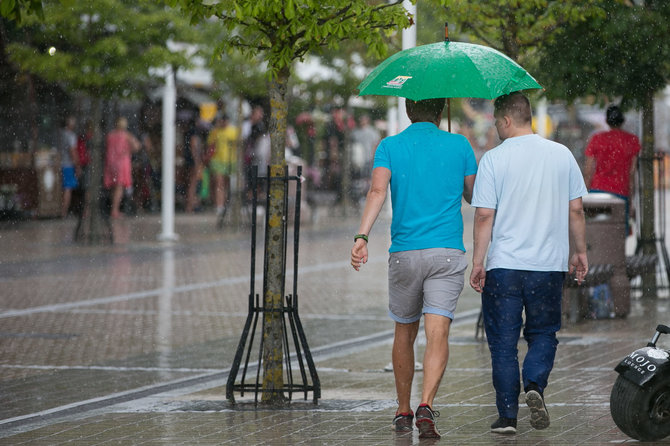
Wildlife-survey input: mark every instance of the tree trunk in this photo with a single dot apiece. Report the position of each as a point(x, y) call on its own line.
point(273, 294)
point(347, 182)
point(238, 197)
point(93, 228)
point(647, 211)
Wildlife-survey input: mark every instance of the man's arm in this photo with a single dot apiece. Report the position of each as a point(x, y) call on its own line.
point(135, 144)
point(482, 236)
point(381, 176)
point(631, 186)
point(468, 186)
point(578, 260)
point(589, 170)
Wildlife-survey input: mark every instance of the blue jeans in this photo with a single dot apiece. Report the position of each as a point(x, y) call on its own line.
point(506, 294)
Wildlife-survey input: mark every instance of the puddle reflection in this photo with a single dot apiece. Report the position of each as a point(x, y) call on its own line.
point(164, 325)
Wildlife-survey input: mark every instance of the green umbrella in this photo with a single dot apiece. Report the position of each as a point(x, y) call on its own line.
point(447, 70)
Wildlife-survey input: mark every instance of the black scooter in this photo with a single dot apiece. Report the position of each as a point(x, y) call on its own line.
point(640, 399)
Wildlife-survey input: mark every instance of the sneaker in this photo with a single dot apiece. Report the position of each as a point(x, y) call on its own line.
point(539, 417)
point(425, 422)
point(403, 422)
point(504, 426)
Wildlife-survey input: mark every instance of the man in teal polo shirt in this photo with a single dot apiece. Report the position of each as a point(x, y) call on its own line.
point(429, 171)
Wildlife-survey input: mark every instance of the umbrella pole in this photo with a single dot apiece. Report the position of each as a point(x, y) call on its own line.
point(446, 39)
point(449, 115)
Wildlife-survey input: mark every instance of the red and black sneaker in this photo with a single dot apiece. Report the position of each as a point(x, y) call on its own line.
point(425, 421)
point(403, 422)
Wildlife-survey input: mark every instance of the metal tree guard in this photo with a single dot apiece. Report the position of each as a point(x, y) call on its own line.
point(289, 309)
point(658, 239)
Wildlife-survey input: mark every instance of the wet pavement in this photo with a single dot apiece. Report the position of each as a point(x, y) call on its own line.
point(132, 344)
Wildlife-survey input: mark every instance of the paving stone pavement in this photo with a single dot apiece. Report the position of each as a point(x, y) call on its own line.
point(131, 344)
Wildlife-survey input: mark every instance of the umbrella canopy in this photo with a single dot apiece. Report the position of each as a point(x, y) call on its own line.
point(447, 70)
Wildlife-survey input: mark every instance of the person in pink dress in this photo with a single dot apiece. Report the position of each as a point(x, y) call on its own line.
point(117, 174)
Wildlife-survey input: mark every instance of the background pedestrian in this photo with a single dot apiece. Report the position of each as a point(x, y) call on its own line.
point(120, 144)
point(69, 161)
point(222, 144)
point(194, 143)
point(611, 160)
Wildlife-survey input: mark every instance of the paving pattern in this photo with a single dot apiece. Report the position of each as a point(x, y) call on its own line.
point(131, 344)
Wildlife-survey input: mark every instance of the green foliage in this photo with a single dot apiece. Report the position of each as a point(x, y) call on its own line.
point(281, 32)
point(517, 27)
point(102, 47)
point(15, 10)
point(624, 54)
point(235, 72)
point(574, 47)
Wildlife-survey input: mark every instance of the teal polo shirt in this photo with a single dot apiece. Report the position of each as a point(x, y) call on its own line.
point(428, 167)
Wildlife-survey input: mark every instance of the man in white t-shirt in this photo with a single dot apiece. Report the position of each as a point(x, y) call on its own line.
point(528, 200)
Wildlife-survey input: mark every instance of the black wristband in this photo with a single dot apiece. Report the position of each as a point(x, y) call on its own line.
point(363, 236)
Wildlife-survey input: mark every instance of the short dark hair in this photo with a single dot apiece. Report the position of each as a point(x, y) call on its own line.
point(614, 116)
point(515, 105)
point(425, 110)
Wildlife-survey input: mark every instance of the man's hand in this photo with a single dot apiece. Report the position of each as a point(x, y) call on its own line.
point(478, 278)
point(482, 236)
point(359, 253)
point(579, 264)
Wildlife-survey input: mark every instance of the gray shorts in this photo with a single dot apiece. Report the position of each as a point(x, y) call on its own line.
point(425, 281)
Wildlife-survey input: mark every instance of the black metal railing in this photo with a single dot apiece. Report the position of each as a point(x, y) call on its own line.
point(662, 264)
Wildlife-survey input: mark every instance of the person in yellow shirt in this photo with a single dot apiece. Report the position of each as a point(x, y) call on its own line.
point(222, 145)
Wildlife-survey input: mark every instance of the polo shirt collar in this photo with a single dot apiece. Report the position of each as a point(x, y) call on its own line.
point(422, 125)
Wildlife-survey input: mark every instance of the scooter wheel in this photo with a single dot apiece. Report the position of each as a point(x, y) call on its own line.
point(642, 413)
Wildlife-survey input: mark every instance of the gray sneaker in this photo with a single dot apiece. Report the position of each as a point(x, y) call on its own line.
point(539, 417)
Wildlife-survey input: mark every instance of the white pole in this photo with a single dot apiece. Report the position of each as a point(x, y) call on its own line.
point(168, 169)
point(408, 41)
point(542, 129)
point(392, 120)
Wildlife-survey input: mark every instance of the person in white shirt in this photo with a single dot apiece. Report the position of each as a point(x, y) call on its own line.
point(528, 199)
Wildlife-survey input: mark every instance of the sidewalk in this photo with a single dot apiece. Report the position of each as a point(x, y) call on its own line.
point(131, 344)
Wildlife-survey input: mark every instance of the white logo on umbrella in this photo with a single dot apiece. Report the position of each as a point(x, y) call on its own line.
point(397, 82)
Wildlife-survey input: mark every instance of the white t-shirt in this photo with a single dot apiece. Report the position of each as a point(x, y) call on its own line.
point(530, 182)
point(66, 140)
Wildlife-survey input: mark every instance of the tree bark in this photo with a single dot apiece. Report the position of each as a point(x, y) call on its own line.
point(647, 213)
point(273, 294)
point(238, 197)
point(347, 182)
point(93, 228)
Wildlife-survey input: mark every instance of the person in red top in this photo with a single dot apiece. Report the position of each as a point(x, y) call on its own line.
point(611, 158)
point(83, 152)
